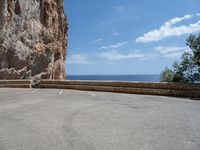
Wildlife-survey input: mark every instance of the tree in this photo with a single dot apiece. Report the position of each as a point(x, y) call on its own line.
point(188, 69)
point(185, 70)
point(167, 75)
point(194, 43)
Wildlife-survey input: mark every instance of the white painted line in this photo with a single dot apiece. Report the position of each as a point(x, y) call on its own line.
point(60, 92)
point(92, 94)
point(128, 95)
point(125, 95)
point(34, 91)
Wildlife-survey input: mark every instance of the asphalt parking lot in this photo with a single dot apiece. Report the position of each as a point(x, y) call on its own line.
point(51, 119)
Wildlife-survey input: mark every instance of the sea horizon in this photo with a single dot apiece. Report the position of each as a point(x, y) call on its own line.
point(109, 74)
point(125, 77)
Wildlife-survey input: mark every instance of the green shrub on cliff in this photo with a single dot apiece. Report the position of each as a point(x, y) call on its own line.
point(188, 69)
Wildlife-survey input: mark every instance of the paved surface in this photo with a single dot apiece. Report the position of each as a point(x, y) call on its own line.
point(35, 119)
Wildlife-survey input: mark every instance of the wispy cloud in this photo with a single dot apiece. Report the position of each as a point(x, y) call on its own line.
point(173, 52)
point(115, 33)
point(198, 14)
point(115, 56)
point(97, 40)
point(168, 30)
point(80, 59)
point(117, 45)
point(120, 8)
point(161, 51)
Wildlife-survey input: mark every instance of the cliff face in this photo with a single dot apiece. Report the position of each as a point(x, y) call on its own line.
point(33, 39)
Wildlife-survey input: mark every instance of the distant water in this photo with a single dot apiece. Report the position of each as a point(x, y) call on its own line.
point(142, 78)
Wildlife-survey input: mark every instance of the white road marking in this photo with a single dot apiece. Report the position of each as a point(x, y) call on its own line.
point(92, 94)
point(126, 95)
point(34, 91)
point(60, 92)
point(131, 96)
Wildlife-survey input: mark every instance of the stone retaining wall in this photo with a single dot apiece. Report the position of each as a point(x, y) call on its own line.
point(170, 86)
point(163, 89)
point(15, 83)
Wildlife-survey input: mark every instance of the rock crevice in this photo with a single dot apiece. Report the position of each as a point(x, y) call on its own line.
point(33, 39)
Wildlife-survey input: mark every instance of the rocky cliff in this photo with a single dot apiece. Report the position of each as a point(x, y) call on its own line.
point(33, 39)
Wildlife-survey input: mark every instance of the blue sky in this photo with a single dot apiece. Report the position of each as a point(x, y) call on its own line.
point(128, 36)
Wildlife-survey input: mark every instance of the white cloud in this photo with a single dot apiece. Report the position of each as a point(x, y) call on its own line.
point(115, 33)
point(198, 14)
point(174, 52)
point(120, 8)
point(97, 40)
point(161, 51)
point(117, 45)
point(168, 30)
point(79, 59)
point(115, 56)
point(137, 18)
point(176, 20)
point(174, 55)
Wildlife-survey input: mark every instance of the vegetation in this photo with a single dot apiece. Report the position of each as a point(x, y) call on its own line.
point(188, 69)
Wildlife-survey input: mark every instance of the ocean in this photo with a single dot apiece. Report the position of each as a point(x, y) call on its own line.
point(140, 78)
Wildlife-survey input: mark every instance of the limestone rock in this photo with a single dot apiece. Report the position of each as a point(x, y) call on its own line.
point(33, 39)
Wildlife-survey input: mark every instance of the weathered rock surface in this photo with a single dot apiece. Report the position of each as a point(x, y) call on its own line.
point(33, 39)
